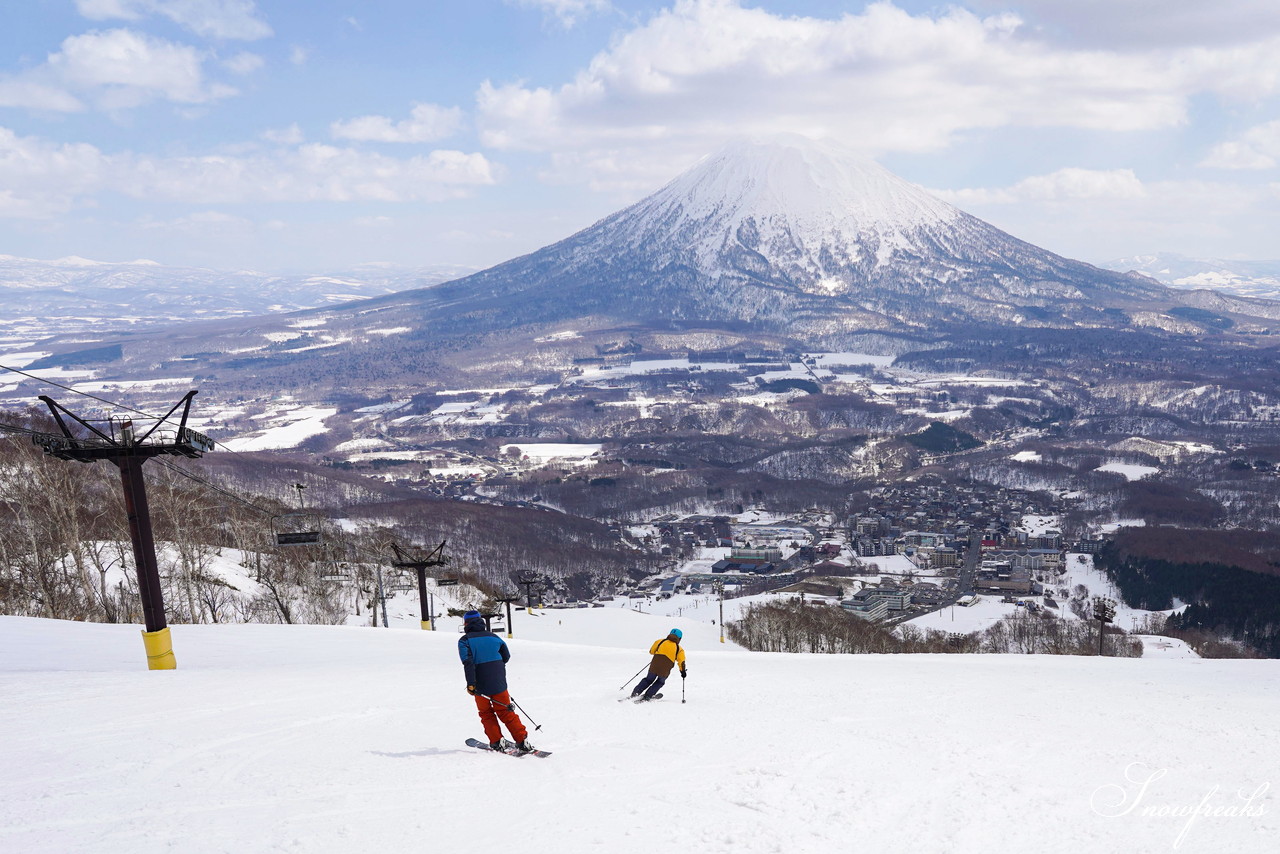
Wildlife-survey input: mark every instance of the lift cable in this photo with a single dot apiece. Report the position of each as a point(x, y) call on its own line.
point(360, 553)
point(164, 463)
point(81, 393)
point(213, 486)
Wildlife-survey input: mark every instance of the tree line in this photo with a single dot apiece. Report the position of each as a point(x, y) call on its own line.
point(66, 551)
point(793, 626)
point(1227, 600)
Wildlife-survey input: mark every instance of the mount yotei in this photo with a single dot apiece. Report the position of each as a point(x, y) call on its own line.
point(785, 243)
point(796, 235)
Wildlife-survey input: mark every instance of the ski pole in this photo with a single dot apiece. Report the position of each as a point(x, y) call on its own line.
point(536, 725)
point(682, 681)
point(511, 707)
point(498, 702)
point(632, 679)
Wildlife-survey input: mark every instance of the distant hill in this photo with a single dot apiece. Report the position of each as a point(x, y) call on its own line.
point(793, 235)
point(1242, 278)
point(95, 295)
point(766, 244)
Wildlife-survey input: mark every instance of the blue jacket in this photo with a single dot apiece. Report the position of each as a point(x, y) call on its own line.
point(484, 658)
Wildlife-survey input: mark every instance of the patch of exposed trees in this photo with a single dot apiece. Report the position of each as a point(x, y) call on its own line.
point(615, 491)
point(792, 626)
point(66, 553)
point(1231, 579)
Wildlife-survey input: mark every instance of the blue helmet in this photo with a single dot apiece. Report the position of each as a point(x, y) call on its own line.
point(679, 634)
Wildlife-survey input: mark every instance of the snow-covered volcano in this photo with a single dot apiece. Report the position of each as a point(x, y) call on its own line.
point(803, 207)
point(796, 234)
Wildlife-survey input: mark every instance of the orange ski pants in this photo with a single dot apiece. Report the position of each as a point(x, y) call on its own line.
point(499, 708)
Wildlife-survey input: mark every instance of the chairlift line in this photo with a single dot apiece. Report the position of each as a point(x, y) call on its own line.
point(305, 532)
point(305, 528)
point(76, 391)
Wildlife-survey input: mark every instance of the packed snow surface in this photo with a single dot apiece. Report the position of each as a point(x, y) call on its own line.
point(554, 450)
point(1129, 470)
point(337, 739)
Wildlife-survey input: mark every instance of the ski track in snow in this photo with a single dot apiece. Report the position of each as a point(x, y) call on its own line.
point(334, 739)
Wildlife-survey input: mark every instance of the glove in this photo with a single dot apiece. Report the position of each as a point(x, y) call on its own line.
point(684, 674)
point(471, 689)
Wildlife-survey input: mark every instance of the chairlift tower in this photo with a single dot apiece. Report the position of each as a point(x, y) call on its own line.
point(718, 586)
point(434, 558)
point(128, 451)
point(507, 600)
point(1104, 611)
point(526, 579)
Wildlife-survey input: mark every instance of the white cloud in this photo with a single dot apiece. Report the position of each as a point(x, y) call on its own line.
point(1257, 148)
point(882, 80)
point(1108, 215)
point(292, 135)
point(34, 95)
point(43, 178)
point(244, 63)
point(299, 55)
point(40, 178)
point(112, 70)
point(567, 12)
point(221, 19)
point(1064, 184)
point(204, 223)
point(1146, 23)
point(426, 123)
point(115, 70)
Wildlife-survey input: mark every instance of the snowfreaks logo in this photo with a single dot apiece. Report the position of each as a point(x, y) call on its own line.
point(1135, 797)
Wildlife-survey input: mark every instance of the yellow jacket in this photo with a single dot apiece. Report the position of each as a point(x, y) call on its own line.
point(667, 653)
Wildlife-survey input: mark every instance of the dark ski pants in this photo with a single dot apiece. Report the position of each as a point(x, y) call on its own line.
point(653, 682)
point(499, 709)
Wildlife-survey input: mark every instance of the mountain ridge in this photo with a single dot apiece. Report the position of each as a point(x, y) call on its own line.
point(774, 244)
point(797, 235)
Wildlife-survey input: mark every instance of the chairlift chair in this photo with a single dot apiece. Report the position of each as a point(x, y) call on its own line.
point(300, 528)
point(296, 529)
point(402, 585)
point(336, 571)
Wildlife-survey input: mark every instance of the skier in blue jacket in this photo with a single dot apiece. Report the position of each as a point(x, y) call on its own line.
point(484, 658)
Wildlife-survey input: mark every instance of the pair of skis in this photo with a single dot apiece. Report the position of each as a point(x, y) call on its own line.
point(510, 751)
point(640, 699)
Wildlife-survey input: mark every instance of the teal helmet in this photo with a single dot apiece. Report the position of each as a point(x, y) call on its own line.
point(679, 634)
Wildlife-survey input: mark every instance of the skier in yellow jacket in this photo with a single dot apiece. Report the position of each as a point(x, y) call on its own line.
point(667, 653)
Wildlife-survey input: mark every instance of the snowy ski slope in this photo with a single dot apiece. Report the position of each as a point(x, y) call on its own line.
point(336, 739)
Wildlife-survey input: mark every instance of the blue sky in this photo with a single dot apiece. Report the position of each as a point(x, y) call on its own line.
point(321, 135)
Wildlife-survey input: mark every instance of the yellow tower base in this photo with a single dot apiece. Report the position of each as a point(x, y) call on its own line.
point(159, 648)
point(426, 625)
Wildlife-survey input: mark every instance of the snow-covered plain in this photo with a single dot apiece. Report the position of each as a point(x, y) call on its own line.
point(336, 739)
point(1131, 471)
point(543, 451)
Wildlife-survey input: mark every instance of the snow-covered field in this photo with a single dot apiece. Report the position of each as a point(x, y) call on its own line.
point(543, 451)
point(337, 739)
point(1131, 471)
point(287, 428)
